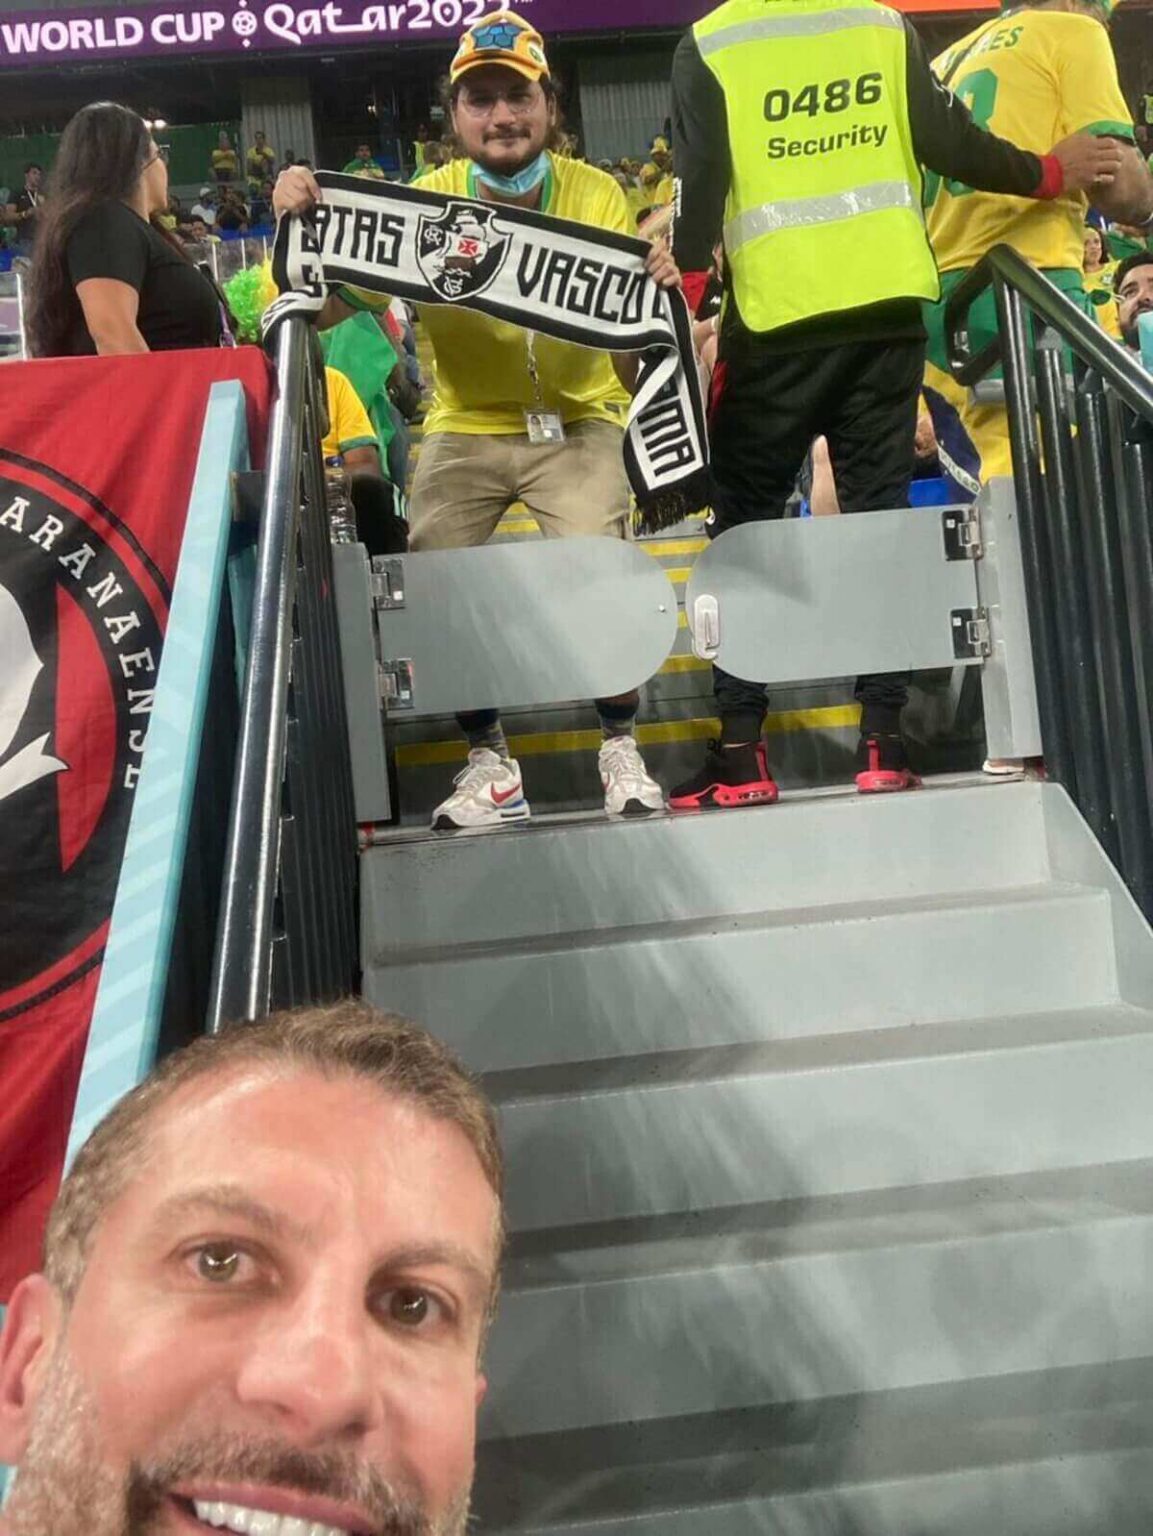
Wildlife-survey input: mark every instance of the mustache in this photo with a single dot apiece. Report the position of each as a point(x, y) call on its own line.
point(274, 1465)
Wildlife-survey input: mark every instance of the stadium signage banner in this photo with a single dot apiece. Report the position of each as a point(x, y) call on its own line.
point(243, 26)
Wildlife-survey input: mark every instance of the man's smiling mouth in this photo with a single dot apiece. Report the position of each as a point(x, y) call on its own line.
point(257, 1522)
point(252, 1520)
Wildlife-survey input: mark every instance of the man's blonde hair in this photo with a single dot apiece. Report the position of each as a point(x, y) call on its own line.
point(345, 1039)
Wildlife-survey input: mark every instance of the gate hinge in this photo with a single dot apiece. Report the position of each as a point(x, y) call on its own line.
point(387, 582)
point(971, 633)
point(394, 677)
point(962, 534)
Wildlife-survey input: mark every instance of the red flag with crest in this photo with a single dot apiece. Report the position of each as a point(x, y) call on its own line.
point(97, 458)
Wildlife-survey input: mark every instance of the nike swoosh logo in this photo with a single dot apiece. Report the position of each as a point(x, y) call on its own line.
point(509, 794)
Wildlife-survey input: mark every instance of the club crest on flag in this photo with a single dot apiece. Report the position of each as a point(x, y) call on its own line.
point(461, 251)
point(20, 765)
point(80, 643)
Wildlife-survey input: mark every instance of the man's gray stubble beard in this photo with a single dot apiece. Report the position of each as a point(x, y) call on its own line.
point(63, 1489)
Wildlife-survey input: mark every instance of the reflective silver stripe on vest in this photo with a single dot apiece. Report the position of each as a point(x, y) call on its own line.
point(803, 24)
point(801, 212)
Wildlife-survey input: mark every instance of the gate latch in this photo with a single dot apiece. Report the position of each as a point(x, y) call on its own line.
point(706, 627)
point(387, 582)
point(395, 680)
point(971, 634)
point(962, 534)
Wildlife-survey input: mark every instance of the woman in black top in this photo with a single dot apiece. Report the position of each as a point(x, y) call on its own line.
point(105, 278)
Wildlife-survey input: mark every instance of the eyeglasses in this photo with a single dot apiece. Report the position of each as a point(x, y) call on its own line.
point(161, 154)
point(520, 100)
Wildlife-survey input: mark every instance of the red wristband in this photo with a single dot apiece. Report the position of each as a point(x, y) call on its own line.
point(694, 285)
point(1052, 182)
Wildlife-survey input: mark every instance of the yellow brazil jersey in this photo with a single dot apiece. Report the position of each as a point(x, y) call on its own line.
point(348, 423)
point(1033, 77)
point(482, 378)
point(1099, 286)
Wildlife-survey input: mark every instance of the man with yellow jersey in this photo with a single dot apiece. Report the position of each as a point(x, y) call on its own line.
point(1034, 74)
point(518, 417)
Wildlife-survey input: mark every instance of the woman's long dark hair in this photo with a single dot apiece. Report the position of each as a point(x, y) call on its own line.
point(102, 153)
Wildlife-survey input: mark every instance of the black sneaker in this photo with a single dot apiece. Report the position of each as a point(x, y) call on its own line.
point(883, 765)
point(730, 776)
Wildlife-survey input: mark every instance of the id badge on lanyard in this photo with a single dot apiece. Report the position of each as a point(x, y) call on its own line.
point(545, 428)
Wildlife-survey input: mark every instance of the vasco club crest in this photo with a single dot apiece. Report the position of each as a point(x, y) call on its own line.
point(461, 252)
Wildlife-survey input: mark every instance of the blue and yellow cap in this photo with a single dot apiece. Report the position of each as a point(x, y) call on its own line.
point(502, 37)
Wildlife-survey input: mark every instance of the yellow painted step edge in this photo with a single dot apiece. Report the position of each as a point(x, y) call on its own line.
point(424, 754)
point(662, 548)
point(659, 549)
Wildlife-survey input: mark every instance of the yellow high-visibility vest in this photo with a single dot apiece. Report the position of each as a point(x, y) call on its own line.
point(824, 208)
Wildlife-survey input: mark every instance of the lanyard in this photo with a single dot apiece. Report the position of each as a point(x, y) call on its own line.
point(533, 370)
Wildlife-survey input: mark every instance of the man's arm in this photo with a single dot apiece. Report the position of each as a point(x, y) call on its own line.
point(1092, 100)
point(362, 460)
point(703, 165)
point(946, 139)
point(1129, 198)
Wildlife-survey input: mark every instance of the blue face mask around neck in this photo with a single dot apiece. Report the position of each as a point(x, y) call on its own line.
point(526, 180)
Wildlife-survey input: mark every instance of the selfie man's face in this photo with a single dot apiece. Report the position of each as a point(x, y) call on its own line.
point(283, 1313)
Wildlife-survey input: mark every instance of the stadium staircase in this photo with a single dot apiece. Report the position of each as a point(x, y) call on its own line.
point(828, 1129)
point(830, 1162)
point(829, 1154)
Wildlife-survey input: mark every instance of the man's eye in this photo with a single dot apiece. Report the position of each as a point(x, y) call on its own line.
point(409, 1306)
point(218, 1262)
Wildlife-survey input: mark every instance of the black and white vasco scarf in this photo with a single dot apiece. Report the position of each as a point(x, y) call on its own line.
point(562, 279)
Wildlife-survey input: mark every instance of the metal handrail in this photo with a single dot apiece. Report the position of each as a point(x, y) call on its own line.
point(1119, 367)
point(242, 972)
point(1083, 473)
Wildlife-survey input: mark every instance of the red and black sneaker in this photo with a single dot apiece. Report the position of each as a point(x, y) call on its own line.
point(883, 767)
point(730, 776)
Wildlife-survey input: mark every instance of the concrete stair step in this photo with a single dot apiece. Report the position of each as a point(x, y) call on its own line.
point(1106, 1492)
point(823, 1454)
point(425, 895)
point(732, 1125)
point(761, 976)
point(812, 1300)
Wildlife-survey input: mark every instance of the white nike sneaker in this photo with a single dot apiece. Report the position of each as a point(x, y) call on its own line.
point(629, 791)
point(488, 793)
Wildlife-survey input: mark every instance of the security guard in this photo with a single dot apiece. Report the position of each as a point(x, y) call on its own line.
point(800, 128)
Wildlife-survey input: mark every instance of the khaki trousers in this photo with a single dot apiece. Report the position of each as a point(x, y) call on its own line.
point(465, 483)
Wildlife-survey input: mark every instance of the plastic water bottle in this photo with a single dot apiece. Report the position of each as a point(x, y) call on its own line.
point(341, 514)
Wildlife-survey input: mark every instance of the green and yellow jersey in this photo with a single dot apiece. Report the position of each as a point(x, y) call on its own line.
point(348, 423)
point(483, 383)
point(1033, 77)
